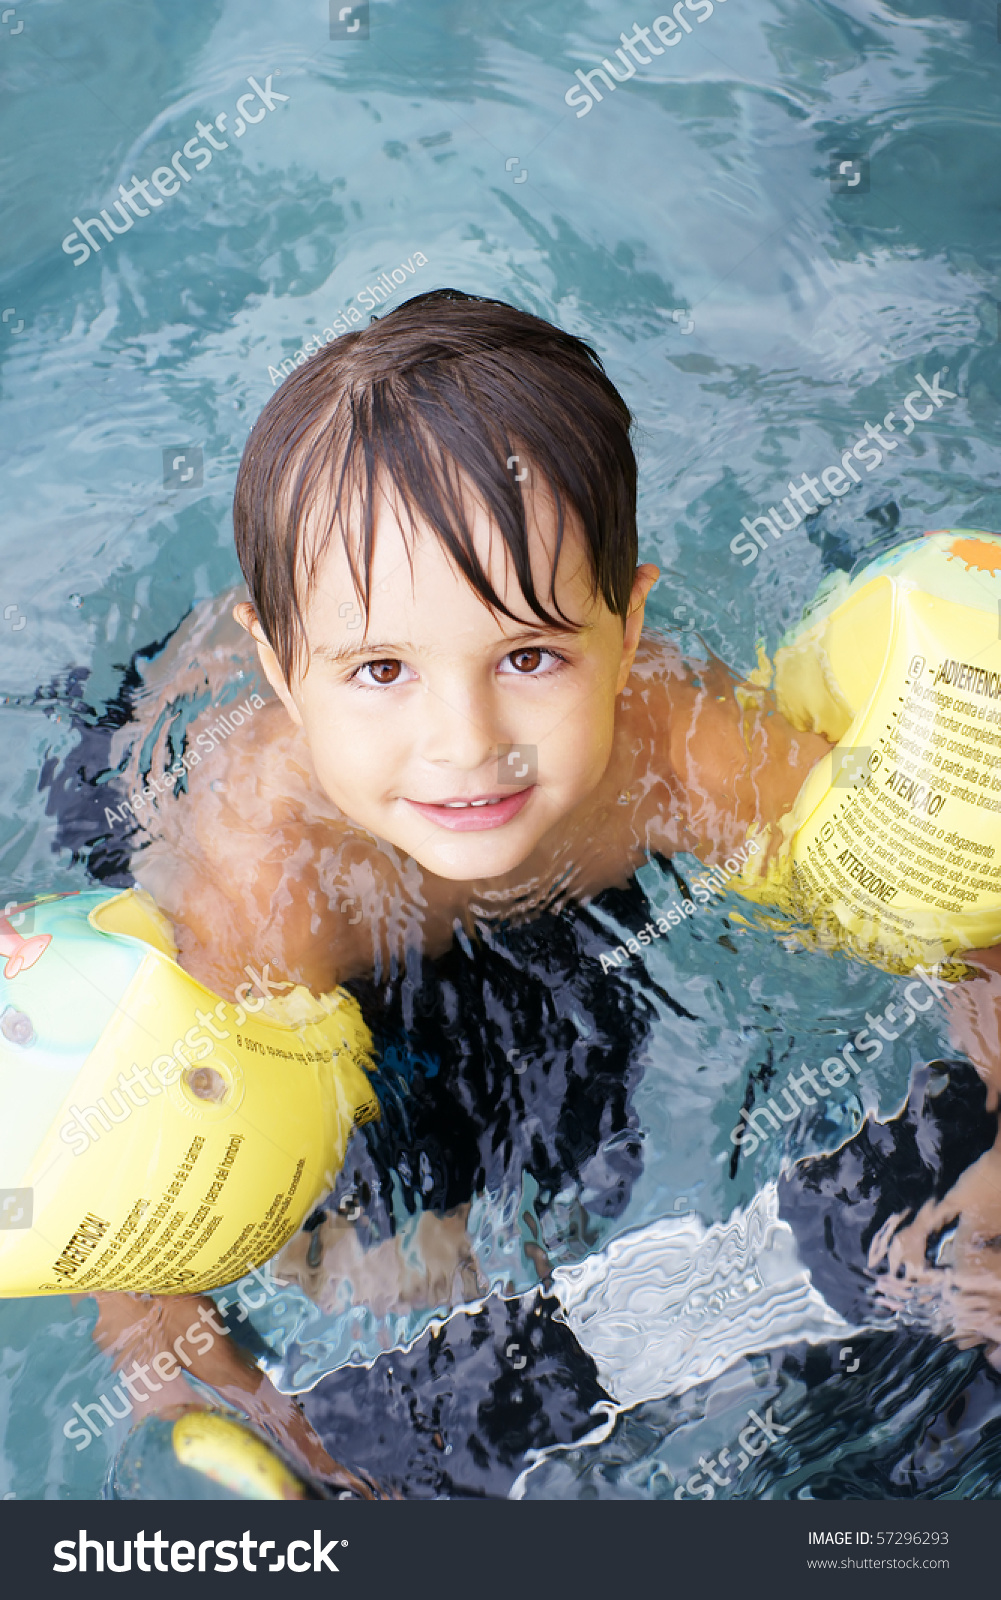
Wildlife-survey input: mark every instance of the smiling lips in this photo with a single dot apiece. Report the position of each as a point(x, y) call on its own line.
point(476, 813)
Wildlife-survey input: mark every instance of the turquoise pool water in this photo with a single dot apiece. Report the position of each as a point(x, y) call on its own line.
point(755, 320)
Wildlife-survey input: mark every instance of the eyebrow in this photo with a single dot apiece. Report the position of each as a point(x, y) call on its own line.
point(337, 654)
point(348, 651)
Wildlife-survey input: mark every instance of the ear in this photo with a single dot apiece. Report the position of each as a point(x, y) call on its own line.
point(646, 577)
point(246, 616)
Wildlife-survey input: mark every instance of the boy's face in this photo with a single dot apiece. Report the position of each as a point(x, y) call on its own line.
point(406, 719)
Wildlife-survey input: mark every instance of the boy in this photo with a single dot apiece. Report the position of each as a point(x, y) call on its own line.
point(435, 518)
point(436, 521)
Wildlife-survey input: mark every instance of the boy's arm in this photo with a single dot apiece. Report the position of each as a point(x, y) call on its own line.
point(973, 1008)
point(730, 758)
point(237, 906)
point(134, 1330)
point(434, 1266)
point(945, 1262)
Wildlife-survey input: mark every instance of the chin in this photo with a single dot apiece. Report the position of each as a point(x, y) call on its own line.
point(463, 865)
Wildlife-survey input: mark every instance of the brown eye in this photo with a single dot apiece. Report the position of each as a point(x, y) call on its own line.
point(384, 672)
point(526, 660)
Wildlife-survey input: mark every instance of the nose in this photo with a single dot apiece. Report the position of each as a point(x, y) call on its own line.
point(460, 728)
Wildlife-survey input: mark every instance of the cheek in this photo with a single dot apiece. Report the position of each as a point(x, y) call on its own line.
point(576, 754)
point(353, 755)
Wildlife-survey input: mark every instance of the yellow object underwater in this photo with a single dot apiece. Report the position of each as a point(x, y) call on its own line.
point(152, 1136)
point(893, 846)
point(222, 1450)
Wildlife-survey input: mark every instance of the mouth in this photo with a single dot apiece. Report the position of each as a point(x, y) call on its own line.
point(475, 814)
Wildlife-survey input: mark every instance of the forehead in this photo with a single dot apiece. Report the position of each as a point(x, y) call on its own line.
point(414, 577)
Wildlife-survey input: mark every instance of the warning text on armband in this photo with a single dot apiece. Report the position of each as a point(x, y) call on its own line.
point(888, 845)
point(942, 736)
point(224, 1168)
point(865, 877)
point(139, 1239)
point(246, 1042)
point(261, 1238)
point(917, 795)
point(74, 1253)
point(961, 675)
point(157, 1245)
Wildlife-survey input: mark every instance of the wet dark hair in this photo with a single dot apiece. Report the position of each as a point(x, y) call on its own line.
point(427, 401)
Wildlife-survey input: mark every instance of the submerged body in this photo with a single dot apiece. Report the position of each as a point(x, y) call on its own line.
point(255, 865)
point(469, 724)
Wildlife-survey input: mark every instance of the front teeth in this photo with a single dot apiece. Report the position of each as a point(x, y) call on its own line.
point(463, 805)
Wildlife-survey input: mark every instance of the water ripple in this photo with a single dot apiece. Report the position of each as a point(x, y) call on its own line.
point(676, 1303)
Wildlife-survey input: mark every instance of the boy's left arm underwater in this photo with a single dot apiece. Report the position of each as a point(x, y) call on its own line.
point(133, 1329)
point(724, 757)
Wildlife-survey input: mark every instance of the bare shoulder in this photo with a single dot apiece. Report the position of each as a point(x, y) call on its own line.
point(237, 841)
point(715, 749)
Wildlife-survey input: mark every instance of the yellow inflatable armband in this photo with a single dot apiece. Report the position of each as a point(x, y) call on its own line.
point(152, 1136)
point(220, 1449)
point(186, 1454)
point(893, 846)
